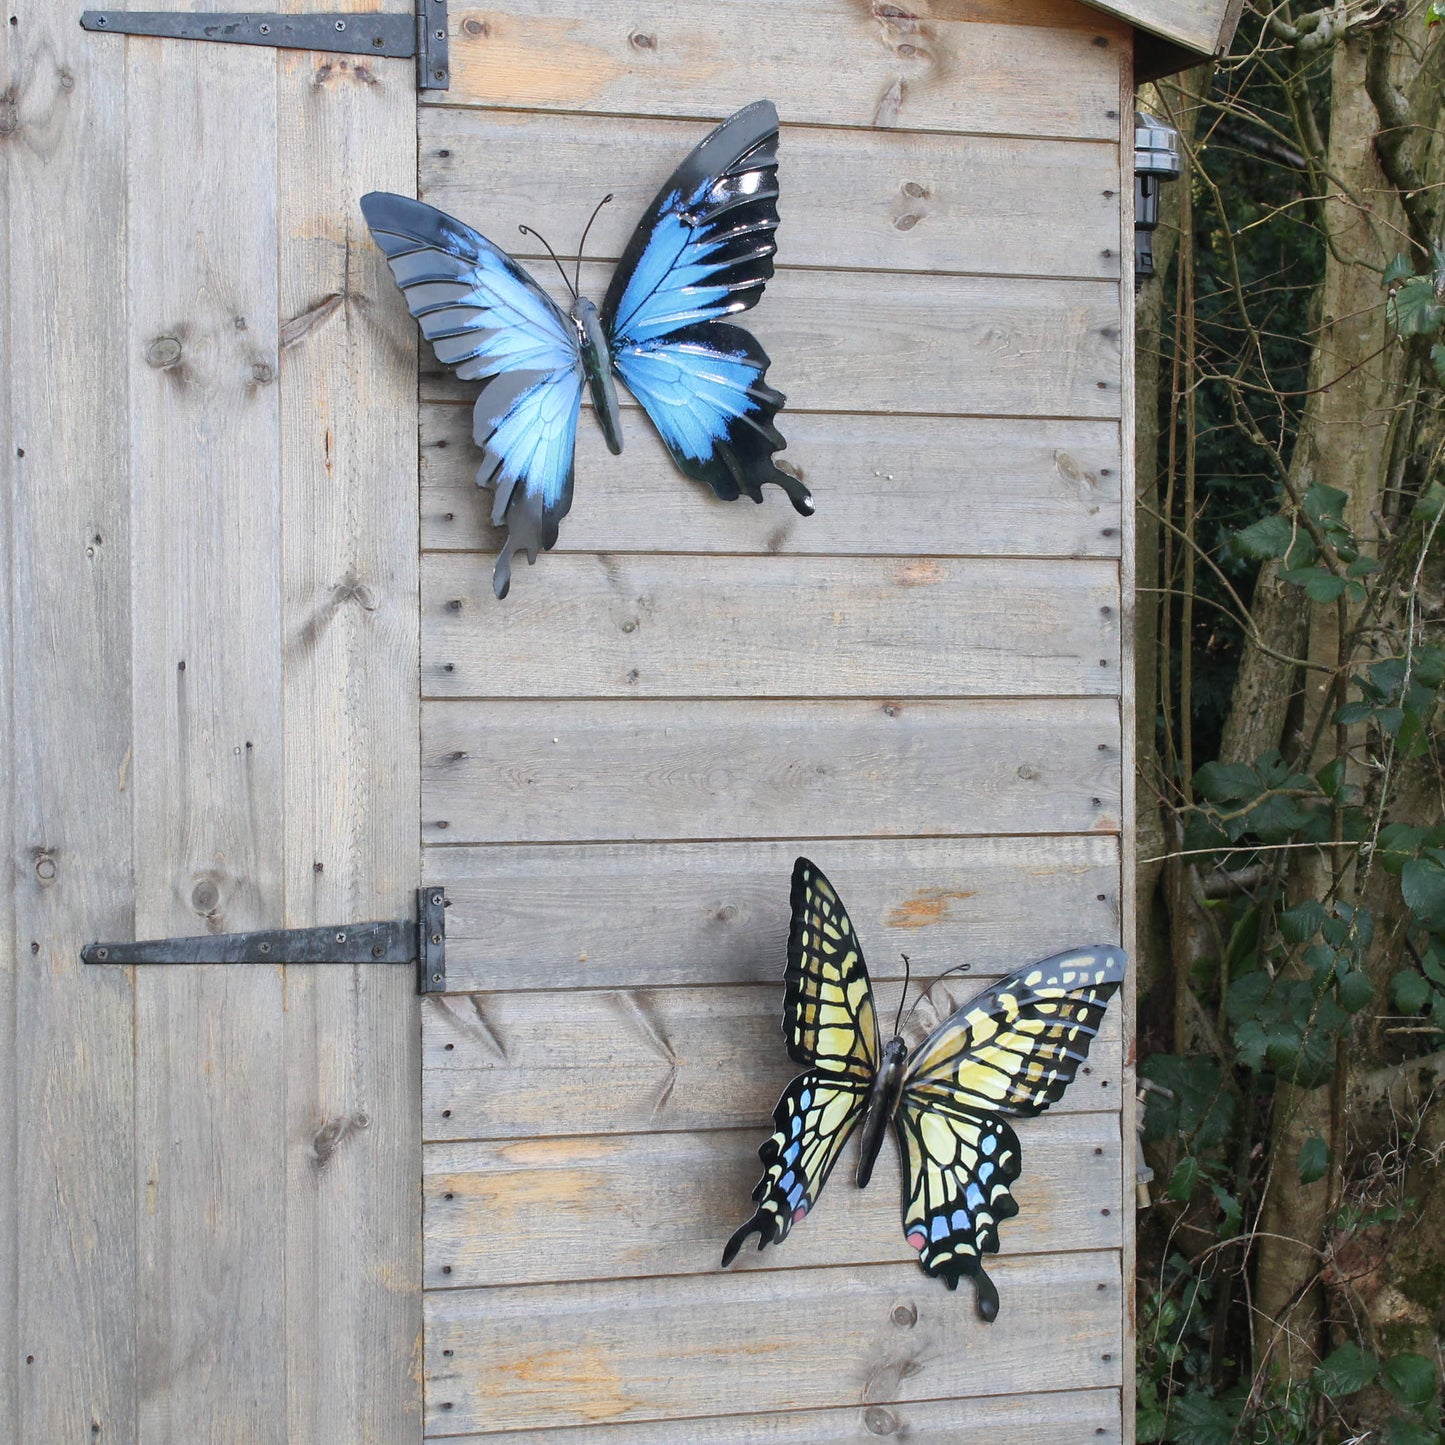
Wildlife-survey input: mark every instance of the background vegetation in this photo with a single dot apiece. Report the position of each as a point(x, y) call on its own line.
point(1291, 628)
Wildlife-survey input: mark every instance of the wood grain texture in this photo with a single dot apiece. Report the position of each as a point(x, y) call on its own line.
point(628, 1061)
point(944, 345)
point(67, 1302)
point(945, 66)
point(539, 1211)
point(884, 485)
point(9, 954)
point(1057, 1418)
point(633, 1350)
point(209, 815)
point(349, 661)
point(1129, 854)
point(522, 772)
point(745, 627)
point(886, 200)
point(546, 917)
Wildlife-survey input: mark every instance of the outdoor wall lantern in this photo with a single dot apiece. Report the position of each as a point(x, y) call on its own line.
point(1156, 160)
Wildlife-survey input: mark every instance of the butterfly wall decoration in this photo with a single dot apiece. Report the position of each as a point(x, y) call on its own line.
point(1010, 1051)
point(703, 251)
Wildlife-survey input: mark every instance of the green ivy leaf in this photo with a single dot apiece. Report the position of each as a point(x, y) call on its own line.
point(1184, 1178)
point(1410, 992)
point(1314, 1159)
point(1319, 585)
point(1411, 1432)
point(1201, 1420)
point(1347, 1371)
point(1412, 309)
point(1300, 923)
point(1433, 499)
point(1269, 537)
point(1422, 883)
point(1410, 1379)
point(1226, 782)
point(1354, 712)
point(1356, 991)
point(1400, 267)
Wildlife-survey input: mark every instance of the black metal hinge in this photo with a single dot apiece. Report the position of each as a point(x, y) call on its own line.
point(423, 34)
point(419, 942)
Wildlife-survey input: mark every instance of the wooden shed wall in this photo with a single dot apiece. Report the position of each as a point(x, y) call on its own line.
point(920, 687)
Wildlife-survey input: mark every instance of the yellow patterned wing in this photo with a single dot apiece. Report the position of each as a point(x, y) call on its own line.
point(830, 1025)
point(1016, 1047)
point(828, 1015)
point(1012, 1050)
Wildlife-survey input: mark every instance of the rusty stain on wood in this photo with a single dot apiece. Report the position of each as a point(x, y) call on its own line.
point(925, 909)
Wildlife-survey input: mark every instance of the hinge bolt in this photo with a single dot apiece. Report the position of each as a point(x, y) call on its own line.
point(265, 948)
point(436, 900)
point(341, 25)
point(265, 29)
point(341, 938)
point(377, 950)
point(102, 954)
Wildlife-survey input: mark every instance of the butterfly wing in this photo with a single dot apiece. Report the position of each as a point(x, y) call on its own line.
point(1014, 1049)
point(830, 1025)
point(704, 251)
point(488, 321)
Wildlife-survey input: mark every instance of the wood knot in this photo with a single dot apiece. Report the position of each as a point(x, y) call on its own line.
point(205, 896)
point(878, 1421)
point(904, 1314)
point(914, 191)
point(262, 373)
point(907, 221)
point(164, 352)
point(9, 116)
point(1028, 772)
point(642, 41)
point(474, 27)
point(45, 869)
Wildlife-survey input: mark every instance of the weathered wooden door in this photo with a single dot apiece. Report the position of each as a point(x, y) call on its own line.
point(208, 671)
point(920, 687)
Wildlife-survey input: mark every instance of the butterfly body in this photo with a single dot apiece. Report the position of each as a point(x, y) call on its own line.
point(882, 1105)
point(597, 367)
point(1009, 1052)
point(702, 253)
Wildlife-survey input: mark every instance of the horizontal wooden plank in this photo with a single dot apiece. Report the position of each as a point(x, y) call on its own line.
point(884, 485)
point(1194, 24)
point(540, 1357)
point(627, 1061)
point(533, 772)
point(538, 1211)
point(944, 345)
point(892, 200)
point(950, 65)
point(1062, 1417)
point(635, 626)
point(546, 917)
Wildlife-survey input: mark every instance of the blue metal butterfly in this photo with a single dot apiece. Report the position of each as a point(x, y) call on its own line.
point(702, 251)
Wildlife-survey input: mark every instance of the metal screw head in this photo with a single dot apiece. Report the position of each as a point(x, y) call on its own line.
point(436, 900)
point(341, 938)
point(436, 938)
point(102, 954)
point(341, 25)
point(101, 20)
point(265, 948)
point(436, 978)
point(265, 29)
point(377, 950)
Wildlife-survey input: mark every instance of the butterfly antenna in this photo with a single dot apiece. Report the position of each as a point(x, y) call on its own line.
point(566, 281)
point(577, 284)
point(957, 968)
point(907, 974)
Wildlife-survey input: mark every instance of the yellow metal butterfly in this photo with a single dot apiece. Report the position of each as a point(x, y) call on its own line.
point(1012, 1050)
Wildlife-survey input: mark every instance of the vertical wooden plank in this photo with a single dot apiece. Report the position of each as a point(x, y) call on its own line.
point(210, 1103)
point(9, 1161)
point(73, 1274)
point(349, 508)
point(1128, 850)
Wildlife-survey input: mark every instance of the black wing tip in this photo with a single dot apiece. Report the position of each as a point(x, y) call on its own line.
point(761, 1224)
point(985, 1292)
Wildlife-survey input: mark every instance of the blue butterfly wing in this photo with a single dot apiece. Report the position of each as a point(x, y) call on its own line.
point(703, 252)
point(488, 321)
